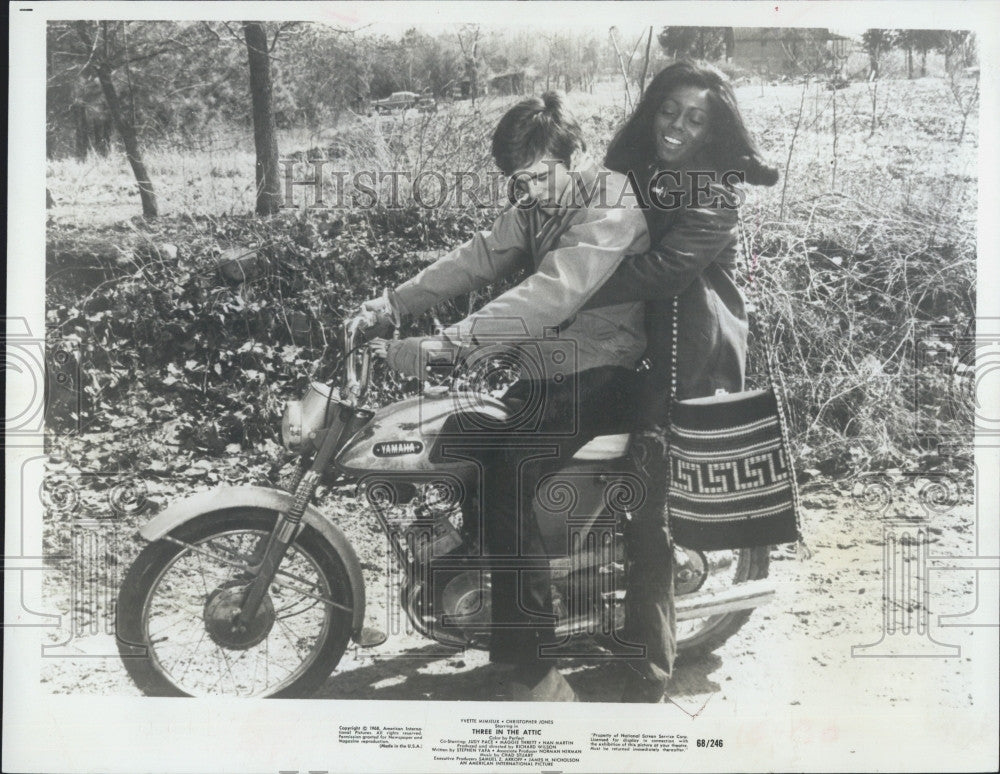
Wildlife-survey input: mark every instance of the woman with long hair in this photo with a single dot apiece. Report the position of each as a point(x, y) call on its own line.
point(686, 150)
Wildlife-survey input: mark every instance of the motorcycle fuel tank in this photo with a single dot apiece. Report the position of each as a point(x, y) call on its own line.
point(408, 435)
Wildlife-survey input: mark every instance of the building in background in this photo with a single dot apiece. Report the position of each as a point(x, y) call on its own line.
point(786, 51)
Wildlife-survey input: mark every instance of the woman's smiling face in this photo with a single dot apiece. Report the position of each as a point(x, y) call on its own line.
point(681, 125)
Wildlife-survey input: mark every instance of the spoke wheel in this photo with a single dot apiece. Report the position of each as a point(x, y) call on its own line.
point(179, 631)
point(697, 571)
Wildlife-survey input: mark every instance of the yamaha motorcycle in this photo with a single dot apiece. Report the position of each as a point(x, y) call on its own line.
point(253, 591)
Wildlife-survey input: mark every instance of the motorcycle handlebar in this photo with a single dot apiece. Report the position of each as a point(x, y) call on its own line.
point(358, 356)
point(357, 366)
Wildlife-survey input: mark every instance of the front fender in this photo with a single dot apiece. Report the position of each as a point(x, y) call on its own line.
point(226, 497)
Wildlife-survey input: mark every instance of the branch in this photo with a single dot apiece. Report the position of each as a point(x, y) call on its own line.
point(82, 32)
point(645, 64)
point(277, 32)
point(148, 55)
point(215, 34)
point(621, 66)
point(236, 37)
point(634, 49)
point(791, 147)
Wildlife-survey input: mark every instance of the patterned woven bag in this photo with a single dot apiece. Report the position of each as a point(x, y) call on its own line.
point(731, 482)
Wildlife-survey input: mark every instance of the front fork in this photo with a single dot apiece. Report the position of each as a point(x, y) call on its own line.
point(285, 529)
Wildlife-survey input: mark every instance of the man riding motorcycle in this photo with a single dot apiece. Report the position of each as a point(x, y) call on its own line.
point(574, 221)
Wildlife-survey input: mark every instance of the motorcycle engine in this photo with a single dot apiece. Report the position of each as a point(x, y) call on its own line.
point(465, 603)
point(451, 604)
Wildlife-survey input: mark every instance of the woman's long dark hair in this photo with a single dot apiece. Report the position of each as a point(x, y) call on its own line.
point(729, 147)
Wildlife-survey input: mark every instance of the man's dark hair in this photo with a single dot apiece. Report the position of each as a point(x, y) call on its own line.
point(533, 127)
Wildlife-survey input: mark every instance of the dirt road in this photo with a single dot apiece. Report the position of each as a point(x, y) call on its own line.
point(795, 652)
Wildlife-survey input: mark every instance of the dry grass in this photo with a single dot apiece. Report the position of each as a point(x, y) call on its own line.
point(875, 244)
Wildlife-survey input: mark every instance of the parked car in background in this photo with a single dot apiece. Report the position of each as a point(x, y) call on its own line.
point(398, 100)
point(427, 105)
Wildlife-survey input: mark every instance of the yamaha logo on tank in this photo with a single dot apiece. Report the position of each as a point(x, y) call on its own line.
point(396, 448)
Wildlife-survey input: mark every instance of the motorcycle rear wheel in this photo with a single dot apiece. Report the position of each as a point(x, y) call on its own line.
point(175, 604)
point(699, 637)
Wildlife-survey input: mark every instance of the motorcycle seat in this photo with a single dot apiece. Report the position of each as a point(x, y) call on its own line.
point(604, 447)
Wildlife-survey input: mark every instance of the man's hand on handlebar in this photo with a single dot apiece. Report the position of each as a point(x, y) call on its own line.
point(379, 347)
point(406, 356)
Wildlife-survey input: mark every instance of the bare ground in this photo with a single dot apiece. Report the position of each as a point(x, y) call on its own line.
point(795, 652)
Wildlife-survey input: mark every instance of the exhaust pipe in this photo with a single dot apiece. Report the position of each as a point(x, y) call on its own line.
point(742, 596)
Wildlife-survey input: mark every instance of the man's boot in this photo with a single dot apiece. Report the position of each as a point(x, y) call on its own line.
point(551, 687)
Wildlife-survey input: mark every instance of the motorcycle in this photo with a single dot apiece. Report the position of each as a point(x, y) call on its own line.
point(252, 591)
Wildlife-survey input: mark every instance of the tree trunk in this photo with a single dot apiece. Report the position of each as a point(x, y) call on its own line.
point(874, 95)
point(82, 127)
point(909, 63)
point(102, 137)
point(645, 64)
point(923, 63)
point(127, 132)
point(264, 131)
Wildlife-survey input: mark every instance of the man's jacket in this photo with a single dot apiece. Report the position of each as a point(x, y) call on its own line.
point(693, 258)
point(573, 250)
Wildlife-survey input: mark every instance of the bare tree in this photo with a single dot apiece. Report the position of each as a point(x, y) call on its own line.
point(468, 40)
point(264, 130)
point(645, 64)
point(102, 61)
point(791, 148)
point(924, 41)
point(624, 65)
point(700, 42)
point(876, 42)
point(963, 84)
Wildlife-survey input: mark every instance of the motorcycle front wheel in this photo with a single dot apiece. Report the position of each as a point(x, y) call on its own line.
point(177, 603)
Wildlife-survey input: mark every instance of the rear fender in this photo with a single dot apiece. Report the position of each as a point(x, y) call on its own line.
point(227, 497)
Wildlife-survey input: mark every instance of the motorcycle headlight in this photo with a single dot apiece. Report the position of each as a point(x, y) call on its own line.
point(304, 419)
point(291, 425)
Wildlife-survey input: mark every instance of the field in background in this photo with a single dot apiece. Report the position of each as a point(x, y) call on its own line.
point(214, 174)
point(866, 247)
